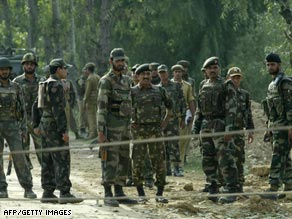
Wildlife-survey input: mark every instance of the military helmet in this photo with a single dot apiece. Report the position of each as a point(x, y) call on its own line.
point(4, 63)
point(29, 57)
point(234, 71)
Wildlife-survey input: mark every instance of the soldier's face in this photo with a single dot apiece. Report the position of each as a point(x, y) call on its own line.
point(145, 78)
point(29, 67)
point(177, 74)
point(154, 73)
point(212, 71)
point(163, 75)
point(118, 65)
point(236, 80)
point(4, 73)
point(273, 67)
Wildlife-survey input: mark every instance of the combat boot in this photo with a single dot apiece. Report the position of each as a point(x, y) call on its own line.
point(206, 188)
point(67, 197)
point(141, 194)
point(273, 188)
point(228, 199)
point(3, 193)
point(120, 193)
point(49, 197)
point(109, 201)
point(213, 190)
point(287, 187)
point(159, 194)
point(28, 193)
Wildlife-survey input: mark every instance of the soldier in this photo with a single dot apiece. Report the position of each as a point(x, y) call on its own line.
point(174, 91)
point(90, 99)
point(186, 77)
point(148, 122)
point(216, 110)
point(191, 107)
point(29, 81)
point(113, 116)
point(55, 172)
point(154, 74)
point(12, 123)
point(83, 122)
point(279, 111)
point(243, 121)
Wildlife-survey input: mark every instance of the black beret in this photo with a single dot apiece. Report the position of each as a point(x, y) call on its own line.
point(135, 67)
point(211, 61)
point(273, 57)
point(141, 68)
point(184, 63)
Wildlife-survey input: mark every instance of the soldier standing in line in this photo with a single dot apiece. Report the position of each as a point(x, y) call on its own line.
point(29, 81)
point(113, 116)
point(174, 91)
point(83, 123)
point(279, 110)
point(154, 73)
point(191, 107)
point(52, 126)
point(90, 99)
point(216, 110)
point(243, 121)
point(12, 126)
point(147, 122)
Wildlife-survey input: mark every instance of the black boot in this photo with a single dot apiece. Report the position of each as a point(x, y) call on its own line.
point(141, 193)
point(159, 197)
point(120, 193)
point(49, 197)
point(213, 189)
point(109, 201)
point(67, 197)
point(228, 199)
point(3, 193)
point(28, 193)
point(273, 188)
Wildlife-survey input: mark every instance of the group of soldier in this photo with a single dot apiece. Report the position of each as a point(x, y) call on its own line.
point(140, 105)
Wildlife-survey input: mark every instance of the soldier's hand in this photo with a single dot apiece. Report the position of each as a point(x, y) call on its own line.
point(101, 137)
point(37, 131)
point(65, 137)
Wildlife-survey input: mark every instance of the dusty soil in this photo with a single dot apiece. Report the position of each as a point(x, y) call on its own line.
point(86, 174)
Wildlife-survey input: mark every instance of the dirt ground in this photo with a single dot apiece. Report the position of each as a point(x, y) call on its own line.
point(86, 175)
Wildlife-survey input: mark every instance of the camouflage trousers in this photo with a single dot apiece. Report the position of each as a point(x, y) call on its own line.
point(37, 141)
point(71, 121)
point(155, 150)
point(281, 165)
point(172, 147)
point(218, 155)
point(9, 131)
point(115, 159)
point(240, 156)
point(55, 173)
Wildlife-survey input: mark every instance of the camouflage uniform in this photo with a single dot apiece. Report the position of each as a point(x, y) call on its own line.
point(12, 122)
point(30, 90)
point(174, 91)
point(90, 99)
point(83, 123)
point(279, 102)
point(216, 110)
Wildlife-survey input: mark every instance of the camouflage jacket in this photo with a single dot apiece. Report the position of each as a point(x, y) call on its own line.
point(279, 100)
point(30, 90)
point(69, 92)
point(243, 117)
point(12, 105)
point(216, 100)
point(53, 113)
point(91, 85)
point(175, 92)
point(80, 86)
point(114, 99)
point(148, 103)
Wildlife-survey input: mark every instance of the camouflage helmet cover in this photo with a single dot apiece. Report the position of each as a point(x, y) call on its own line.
point(29, 57)
point(4, 63)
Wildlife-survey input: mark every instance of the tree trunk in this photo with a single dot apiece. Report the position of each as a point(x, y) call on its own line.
point(56, 30)
point(32, 27)
point(72, 30)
